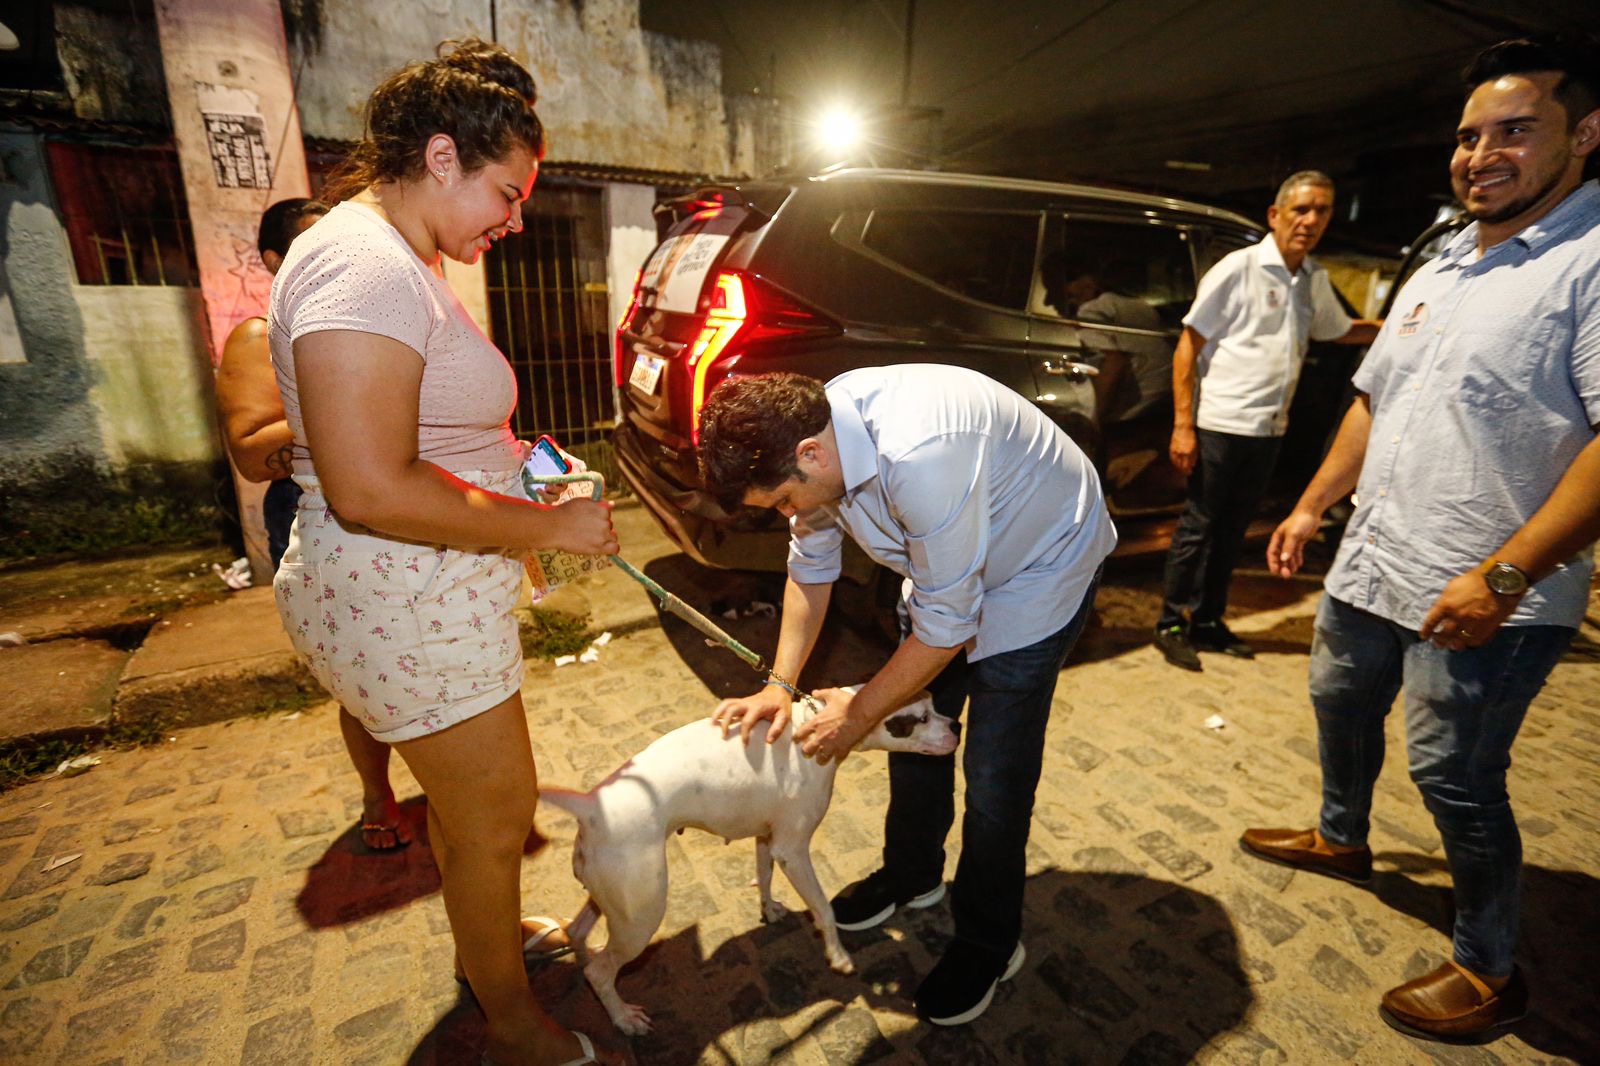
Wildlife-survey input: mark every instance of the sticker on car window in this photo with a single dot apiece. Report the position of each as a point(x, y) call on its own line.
point(677, 270)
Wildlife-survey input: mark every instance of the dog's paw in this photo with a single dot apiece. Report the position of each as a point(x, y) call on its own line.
point(841, 963)
point(632, 1020)
point(772, 912)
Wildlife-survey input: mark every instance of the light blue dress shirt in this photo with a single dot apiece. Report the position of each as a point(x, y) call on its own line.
point(963, 487)
point(1484, 385)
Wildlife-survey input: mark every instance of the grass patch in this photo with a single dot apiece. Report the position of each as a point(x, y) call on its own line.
point(298, 700)
point(20, 763)
point(547, 633)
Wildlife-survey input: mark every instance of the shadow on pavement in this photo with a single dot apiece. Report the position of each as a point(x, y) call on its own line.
point(1559, 952)
point(1121, 967)
point(349, 883)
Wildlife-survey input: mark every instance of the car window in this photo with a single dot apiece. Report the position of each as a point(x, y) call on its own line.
point(1084, 258)
point(1218, 243)
point(981, 255)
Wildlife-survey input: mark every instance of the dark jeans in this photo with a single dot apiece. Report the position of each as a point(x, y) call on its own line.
point(1010, 696)
point(1225, 488)
point(1463, 710)
point(278, 509)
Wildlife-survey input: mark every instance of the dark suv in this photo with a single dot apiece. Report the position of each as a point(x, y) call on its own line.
point(1037, 285)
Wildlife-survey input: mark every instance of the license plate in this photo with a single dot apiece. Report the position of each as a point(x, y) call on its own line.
point(646, 374)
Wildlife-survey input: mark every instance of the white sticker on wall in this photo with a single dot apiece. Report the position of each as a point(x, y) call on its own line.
point(236, 135)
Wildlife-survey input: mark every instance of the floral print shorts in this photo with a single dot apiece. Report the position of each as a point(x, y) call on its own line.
point(412, 638)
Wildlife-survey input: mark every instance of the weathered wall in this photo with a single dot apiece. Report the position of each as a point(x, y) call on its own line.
point(230, 61)
point(631, 237)
point(106, 430)
point(46, 413)
point(152, 392)
point(120, 83)
point(609, 92)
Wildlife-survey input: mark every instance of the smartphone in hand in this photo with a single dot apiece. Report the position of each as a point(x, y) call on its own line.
point(546, 459)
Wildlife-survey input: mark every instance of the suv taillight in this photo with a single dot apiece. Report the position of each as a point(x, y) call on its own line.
point(743, 311)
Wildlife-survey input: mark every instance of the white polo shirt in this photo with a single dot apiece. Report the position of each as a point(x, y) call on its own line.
point(1258, 319)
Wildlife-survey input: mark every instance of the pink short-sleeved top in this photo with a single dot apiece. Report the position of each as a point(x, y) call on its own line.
point(352, 270)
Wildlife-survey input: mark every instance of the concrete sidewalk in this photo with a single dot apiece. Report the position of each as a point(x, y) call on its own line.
point(98, 657)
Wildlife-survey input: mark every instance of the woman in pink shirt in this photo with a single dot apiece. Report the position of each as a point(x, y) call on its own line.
point(411, 536)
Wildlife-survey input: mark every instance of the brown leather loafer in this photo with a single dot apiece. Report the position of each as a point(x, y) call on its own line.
point(1298, 848)
point(1448, 1005)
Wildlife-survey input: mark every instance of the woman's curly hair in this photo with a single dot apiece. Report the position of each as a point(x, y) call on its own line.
point(474, 91)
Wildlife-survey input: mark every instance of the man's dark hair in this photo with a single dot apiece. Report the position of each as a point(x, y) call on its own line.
point(280, 223)
point(1575, 56)
point(749, 428)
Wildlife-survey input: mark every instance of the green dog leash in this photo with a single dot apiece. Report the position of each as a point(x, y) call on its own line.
point(669, 602)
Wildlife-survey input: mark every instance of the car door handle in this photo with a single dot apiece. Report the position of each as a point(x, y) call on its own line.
point(1068, 368)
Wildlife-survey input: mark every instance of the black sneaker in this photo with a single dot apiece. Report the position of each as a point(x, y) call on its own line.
point(1173, 643)
point(870, 901)
point(962, 985)
point(1214, 636)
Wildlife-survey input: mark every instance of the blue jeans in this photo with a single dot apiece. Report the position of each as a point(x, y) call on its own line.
point(1463, 710)
point(1009, 696)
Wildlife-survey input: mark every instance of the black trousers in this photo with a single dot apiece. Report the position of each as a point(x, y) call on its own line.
point(1225, 488)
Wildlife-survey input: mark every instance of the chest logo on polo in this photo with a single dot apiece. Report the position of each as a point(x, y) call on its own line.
point(1413, 321)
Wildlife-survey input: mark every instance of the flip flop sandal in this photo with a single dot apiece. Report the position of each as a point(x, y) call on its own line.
point(375, 827)
point(583, 1042)
point(546, 925)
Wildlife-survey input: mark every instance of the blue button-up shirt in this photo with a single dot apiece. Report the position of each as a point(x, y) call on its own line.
point(1484, 386)
point(957, 483)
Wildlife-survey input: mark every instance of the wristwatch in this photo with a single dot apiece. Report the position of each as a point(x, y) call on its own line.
point(1503, 578)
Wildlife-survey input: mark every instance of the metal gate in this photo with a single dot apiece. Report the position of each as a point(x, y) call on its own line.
point(548, 313)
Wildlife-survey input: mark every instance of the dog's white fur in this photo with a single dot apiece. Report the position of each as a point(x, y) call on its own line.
point(695, 777)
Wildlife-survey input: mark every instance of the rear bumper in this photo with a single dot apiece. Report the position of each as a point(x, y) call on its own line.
point(692, 518)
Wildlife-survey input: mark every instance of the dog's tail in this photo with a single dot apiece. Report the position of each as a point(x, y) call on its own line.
point(581, 805)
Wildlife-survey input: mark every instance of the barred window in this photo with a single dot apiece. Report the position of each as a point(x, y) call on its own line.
point(125, 213)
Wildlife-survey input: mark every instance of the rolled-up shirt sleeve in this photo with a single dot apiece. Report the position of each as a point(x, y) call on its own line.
point(816, 546)
point(944, 510)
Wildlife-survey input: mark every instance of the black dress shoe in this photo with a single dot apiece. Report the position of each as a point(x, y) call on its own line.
point(1173, 644)
point(1214, 636)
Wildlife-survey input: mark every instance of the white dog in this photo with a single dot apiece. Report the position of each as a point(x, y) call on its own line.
point(695, 777)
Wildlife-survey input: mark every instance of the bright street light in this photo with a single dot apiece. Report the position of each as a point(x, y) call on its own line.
point(838, 131)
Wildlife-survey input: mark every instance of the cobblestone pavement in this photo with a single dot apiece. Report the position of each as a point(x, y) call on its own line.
point(207, 902)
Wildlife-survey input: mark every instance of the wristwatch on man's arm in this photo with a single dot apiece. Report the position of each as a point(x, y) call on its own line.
point(1503, 578)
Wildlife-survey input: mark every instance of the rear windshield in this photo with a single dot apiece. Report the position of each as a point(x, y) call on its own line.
point(675, 274)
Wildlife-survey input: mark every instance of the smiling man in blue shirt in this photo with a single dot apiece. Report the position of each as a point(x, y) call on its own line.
point(996, 520)
point(1464, 571)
